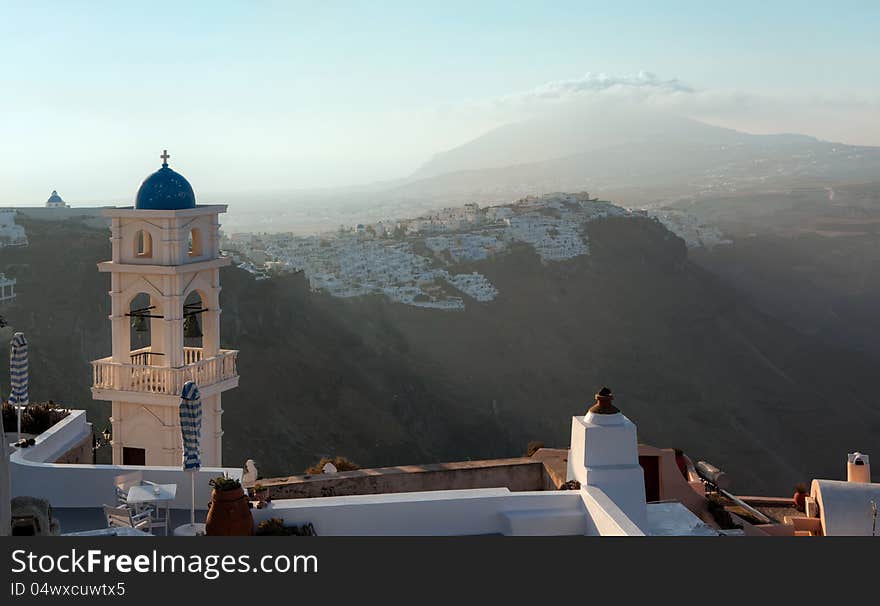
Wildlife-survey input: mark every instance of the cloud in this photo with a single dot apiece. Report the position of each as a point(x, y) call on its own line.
point(597, 90)
point(593, 89)
point(828, 114)
point(593, 83)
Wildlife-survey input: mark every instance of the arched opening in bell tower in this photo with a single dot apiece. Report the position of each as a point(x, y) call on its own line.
point(143, 244)
point(194, 242)
point(193, 307)
point(142, 312)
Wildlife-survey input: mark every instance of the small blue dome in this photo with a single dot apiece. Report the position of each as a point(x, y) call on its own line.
point(165, 190)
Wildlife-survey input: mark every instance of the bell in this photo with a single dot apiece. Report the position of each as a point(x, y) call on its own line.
point(191, 329)
point(139, 323)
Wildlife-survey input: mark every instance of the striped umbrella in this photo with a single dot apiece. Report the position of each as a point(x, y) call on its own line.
point(18, 375)
point(5, 487)
point(191, 432)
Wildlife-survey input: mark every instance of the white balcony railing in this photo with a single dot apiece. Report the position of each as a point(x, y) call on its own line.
point(150, 378)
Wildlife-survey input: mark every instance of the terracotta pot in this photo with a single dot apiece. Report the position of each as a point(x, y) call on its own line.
point(229, 514)
point(800, 500)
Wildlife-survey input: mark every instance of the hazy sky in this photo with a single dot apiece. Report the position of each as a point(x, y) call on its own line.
point(262, 95)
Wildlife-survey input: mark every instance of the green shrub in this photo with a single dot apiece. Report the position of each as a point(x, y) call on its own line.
point(274, 527)
point(224, 483)
point(35, 418)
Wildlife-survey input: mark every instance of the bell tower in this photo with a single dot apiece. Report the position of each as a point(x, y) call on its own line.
point(165, 321)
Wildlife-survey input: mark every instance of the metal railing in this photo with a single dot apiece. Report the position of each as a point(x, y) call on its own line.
point(145, 357)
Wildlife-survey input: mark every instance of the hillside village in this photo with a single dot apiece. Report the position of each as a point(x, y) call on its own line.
point(417, 261)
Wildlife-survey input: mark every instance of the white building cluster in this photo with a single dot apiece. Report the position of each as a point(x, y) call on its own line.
point(689, 228)
point(11, 234)
point(417, 261)
point(7, 289)
point(475, 285)
point(464, 247)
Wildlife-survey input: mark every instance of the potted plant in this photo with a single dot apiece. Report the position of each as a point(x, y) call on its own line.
point(800, 496)
point(228, 514)
point(260, 494)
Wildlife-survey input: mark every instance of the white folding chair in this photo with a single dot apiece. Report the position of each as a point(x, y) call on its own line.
point(123, 517)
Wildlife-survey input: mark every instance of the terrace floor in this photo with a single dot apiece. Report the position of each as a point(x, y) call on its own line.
point(78, 519)
point(664, 519)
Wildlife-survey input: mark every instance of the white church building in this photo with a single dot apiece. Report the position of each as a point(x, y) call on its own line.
point(55, 201)
point(164, 290)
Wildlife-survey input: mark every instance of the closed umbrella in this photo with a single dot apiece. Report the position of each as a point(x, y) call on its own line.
point(18, 375)
point(191, 432)
point(5, 485)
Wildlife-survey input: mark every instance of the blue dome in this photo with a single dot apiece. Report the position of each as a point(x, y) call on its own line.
point(165, 190)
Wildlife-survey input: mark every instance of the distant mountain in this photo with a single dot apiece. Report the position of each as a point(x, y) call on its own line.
point(636, 159)
point(642, 156)
point(567, 134)
point(693, 362)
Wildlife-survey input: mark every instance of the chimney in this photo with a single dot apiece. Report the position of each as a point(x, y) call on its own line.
point(604, 453)
point(858, 468)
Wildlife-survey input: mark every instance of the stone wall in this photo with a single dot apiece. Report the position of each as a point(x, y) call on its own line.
point(517, 475)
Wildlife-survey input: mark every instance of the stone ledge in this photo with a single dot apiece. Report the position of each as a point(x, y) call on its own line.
point(519, 474)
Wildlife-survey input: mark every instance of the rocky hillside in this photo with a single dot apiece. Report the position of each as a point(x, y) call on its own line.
point(809, 257)
point(694, 364)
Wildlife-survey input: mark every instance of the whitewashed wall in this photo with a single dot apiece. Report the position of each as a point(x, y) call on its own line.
point(92, 485)
point(457, 513)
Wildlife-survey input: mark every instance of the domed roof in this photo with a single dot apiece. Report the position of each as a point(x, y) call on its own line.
point(54, 198)
point(165, 190)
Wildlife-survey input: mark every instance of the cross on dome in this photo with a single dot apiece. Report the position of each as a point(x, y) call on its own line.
point(165, 190)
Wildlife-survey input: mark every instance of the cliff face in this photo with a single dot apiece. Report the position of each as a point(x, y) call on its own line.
point(62, 307)
point(810, 257)
point(692, 363)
